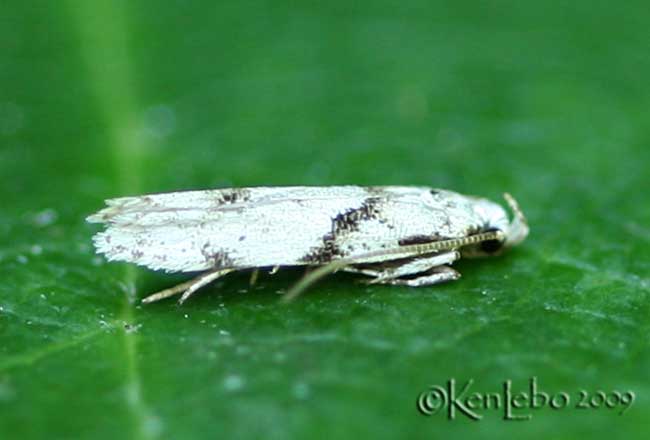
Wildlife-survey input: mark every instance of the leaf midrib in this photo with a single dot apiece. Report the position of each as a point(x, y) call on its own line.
point(104, 31)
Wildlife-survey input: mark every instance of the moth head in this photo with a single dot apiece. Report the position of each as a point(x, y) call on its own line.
point(501, 233)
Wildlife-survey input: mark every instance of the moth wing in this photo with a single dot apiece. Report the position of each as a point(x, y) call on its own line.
point(252, 227)
point(198, 230)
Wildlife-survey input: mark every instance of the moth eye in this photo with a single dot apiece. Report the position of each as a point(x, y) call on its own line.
point(491, 246)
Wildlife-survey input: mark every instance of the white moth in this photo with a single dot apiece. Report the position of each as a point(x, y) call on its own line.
point(392, 234)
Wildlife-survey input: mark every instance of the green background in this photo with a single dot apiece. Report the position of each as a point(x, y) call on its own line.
point(547, 100)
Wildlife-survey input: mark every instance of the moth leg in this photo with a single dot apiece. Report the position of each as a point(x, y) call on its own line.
point(386, 274)
point(202, 281)
point(187, 287)
point(436, 275)
point(254, 274)
point(368, 272)
point(418, 265)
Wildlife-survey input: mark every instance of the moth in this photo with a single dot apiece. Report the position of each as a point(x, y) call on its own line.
point(398, 235)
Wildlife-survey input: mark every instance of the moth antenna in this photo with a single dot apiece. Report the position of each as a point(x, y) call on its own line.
point(452, 243)
point(518, 229)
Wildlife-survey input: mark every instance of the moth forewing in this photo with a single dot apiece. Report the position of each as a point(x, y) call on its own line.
point(225, 230)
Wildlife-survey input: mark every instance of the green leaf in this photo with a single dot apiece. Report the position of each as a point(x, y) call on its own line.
point(109, 98)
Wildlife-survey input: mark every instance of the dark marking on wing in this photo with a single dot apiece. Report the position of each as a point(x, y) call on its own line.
point(343, 223)
point(234, 195)
point(419, 239)
point(349, 220)
point(325, 253)
point(219, 259)
point(136, 254)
